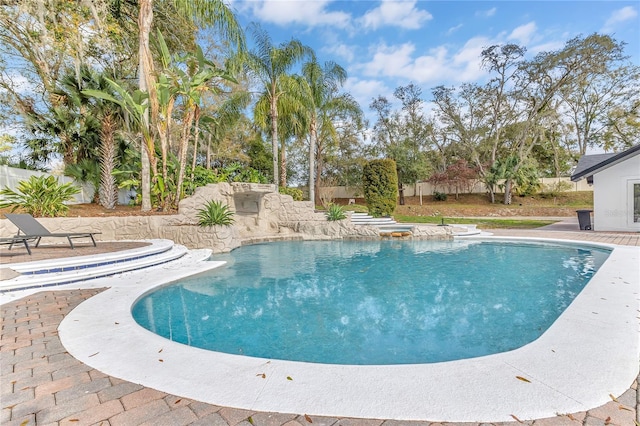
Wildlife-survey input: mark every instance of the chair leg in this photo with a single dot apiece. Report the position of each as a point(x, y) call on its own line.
point(93, 240)
point(26, 245)
point(70, 243)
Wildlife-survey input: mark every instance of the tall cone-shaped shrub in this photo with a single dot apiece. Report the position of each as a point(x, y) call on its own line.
point(380, 182)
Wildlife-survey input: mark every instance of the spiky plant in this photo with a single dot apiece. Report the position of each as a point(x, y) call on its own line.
point(335, 212)
point(40, 196)
point(215, 213)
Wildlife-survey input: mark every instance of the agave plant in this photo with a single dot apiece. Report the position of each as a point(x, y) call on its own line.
point(215, 213)
point(40, 196)
point(335, 212)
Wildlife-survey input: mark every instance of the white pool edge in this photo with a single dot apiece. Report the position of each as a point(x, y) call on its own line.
point(590, 352)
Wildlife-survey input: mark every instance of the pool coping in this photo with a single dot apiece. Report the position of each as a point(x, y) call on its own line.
point(590, 352)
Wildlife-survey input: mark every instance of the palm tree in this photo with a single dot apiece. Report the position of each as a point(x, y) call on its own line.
point(271, 64)
point(202, 12)
point(190, 85)
point(323, 105)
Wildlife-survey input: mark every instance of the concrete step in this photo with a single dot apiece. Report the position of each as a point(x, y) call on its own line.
point(365, 219)
point(81, 268)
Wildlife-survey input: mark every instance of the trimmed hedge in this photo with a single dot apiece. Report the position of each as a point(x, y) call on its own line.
point(380, 182)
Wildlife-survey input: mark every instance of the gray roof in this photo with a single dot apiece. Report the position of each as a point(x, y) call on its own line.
point(588, 165)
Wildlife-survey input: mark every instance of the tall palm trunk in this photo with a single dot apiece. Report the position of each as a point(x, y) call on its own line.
point(319, 166)
point(312, 156)
point(145, 18)
point(274, 136)
point(283, 164)
point(184, 146)
point(108, 188)
point(196, 134)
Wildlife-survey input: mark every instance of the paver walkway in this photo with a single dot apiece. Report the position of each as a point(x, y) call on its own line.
point(41, 384)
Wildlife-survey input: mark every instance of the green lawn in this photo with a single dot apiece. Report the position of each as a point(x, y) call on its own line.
point(482, 223)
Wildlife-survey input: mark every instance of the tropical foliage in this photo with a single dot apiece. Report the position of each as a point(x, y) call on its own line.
point(335, 212)
point(134, 94)
point(215, 213)
point(40, 196)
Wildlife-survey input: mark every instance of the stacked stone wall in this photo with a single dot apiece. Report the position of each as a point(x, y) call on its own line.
point(277, 217)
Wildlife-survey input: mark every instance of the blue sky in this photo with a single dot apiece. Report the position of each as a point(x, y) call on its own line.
point(386, 44)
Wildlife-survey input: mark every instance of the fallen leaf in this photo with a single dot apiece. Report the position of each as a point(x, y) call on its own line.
point(264, 376)
point(161, 360)
point(94, 354)
point(74, 420)
point(571, 417)
point(177, 401)
point(289, 378)
point(308, 419)
point(613, 398)
point(25, 388)
point(622, 407)
point(24, 423)
point(117, 323)
point(516, 419)
point(607, 421)
point(523, 379)
point(250, 420)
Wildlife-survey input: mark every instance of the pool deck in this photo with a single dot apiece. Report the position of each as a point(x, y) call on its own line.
point(43, 384)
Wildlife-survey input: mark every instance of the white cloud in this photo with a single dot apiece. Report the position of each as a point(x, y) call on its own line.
point(403, 14)
point(619, 16)
point(364, 91)
point(340, 50)
point(434, 67)
point(487, 13)
point(467, 61)
point(454, 29)
point(310, 13)
point(549, 46)
point(524, 33)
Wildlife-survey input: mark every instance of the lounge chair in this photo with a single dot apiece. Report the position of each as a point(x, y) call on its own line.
point(32, 229)
point(14, 240)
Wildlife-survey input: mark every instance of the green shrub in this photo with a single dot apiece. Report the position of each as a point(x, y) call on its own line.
point(215, 213)
point(295, 193)
point(335, 212)
point(439, 196)
point(40, 196)
point(380, 183)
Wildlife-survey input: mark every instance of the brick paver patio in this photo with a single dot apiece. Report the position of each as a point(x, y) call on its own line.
point(41, 384)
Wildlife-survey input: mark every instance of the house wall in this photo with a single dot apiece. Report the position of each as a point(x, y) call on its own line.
point(612, 202)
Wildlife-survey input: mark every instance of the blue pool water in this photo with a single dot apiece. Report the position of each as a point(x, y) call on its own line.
point(373, 302)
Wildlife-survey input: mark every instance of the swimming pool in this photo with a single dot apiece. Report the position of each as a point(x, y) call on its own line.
point(589, 352)
point(373, 302)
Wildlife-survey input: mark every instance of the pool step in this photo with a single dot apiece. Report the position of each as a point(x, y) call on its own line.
point(467, 230)
point(386, 225)
point(73, 269)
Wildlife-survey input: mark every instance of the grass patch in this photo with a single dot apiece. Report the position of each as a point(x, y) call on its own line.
point(482, 223)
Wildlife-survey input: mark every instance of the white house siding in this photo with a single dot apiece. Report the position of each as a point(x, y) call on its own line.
point(612, 196)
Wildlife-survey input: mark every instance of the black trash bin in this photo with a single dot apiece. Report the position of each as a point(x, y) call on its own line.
point(584, 219)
